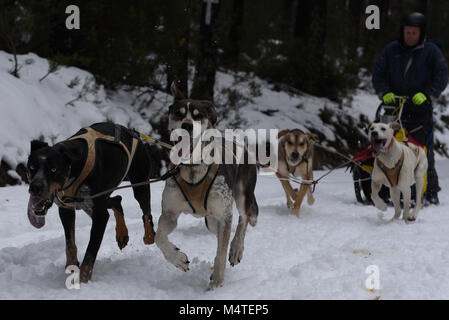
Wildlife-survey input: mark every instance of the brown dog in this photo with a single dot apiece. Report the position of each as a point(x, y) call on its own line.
point(295, 157)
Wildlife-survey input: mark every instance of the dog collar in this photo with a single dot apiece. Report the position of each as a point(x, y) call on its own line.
point(391, 144)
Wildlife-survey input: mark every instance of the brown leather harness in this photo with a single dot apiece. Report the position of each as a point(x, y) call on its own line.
point(392, 174)
point(196, 194)
point(91, 136)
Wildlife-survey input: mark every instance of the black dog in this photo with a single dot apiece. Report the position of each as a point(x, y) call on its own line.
point(93, 160)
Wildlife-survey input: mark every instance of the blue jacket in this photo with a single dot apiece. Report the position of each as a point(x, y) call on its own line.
point(409, 71)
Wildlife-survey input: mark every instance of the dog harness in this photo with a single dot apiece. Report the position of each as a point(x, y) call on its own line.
point(196, 194)
point(392, 174)
point(91, 136)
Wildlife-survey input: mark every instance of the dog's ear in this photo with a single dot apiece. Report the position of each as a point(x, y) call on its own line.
point(369, 126)
point(283, 133)
point(176, 93)
point(211, 114)
point(70, 154)
point(36, 145)
point(395, 126)
point(312, 136)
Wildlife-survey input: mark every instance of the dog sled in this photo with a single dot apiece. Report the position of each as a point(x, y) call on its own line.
point(363, 164)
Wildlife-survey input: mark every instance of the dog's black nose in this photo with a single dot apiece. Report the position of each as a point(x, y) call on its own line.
point(295, 155)
point(187, 126)
point(374, 135)
point(36, 188)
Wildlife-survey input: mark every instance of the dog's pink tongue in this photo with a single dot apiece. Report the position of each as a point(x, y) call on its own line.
point(36, 221)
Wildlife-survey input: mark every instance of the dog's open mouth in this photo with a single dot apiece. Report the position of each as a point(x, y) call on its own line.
point(37, 209)
point(379, 145)
point(294, 160)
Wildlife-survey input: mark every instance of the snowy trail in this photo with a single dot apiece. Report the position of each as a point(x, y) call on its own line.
point(321, 255)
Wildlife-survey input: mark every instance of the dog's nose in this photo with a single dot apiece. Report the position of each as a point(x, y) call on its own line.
point(374, 135)
point(36, 188)
point(295, 155)
point(187, 126)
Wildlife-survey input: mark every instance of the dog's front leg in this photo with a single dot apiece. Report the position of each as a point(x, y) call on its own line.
point(67, 217)
point(223, 235)
point(396, 198)
point(100, 218)
point(289, 193)
point(378, 202)
point(298, 200)
point(167, 223)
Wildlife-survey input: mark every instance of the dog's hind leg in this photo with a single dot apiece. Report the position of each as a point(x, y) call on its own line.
point(139, 172)
point(67, 217)
point(223, 235)
point(248, 211)
point(419, 186)
point(121, 231)
point(142, 195)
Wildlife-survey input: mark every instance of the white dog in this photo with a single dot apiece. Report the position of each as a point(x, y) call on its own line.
point(397, 165)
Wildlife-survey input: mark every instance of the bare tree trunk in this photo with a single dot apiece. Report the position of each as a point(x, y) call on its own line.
point(423, 6)
point(303, 19)
point(206, 55)
point(233, 48)
point(286, 22)
point(178, 59)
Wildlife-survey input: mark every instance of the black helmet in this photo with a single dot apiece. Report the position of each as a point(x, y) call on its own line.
point(414, 19)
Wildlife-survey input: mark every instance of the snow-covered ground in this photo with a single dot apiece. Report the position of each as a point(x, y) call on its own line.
point(323, 254)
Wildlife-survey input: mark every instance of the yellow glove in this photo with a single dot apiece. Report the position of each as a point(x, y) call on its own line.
point(388, 98)
point(419, 98)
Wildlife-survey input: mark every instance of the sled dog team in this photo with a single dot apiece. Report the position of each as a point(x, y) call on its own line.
point(69, 172)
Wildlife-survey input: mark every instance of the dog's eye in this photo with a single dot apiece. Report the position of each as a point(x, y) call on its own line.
point(32, 168)
point(196, 114)
point(53, 170)
point(302, 144)
point(383, 129)
point(179, 115)
point(289, 143)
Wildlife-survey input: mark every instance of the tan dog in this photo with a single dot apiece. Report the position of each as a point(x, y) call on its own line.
point(397, 165)
point(295, 157)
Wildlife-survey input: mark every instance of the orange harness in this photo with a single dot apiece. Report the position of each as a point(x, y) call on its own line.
point(91, 136)
point(196, 194)
point(392, 174)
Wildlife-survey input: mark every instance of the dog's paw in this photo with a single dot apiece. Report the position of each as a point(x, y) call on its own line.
point(179, 260)
point(235, 253)
point(86, 272)
point(295, 211)
point(216, 280)
point(148, 240)
point(289, 204)
point(310, 200)
point(381, 205)
point(122, 241)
